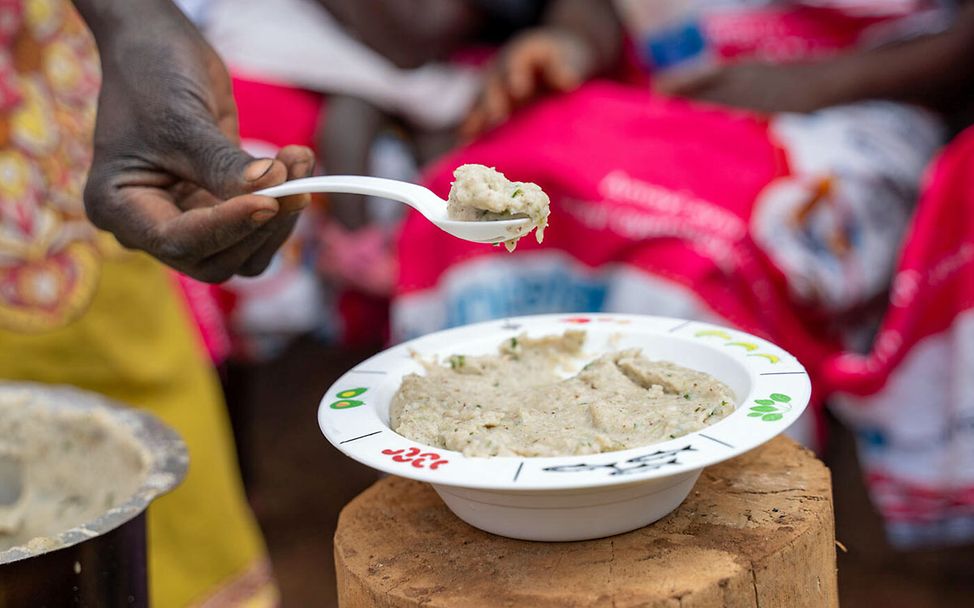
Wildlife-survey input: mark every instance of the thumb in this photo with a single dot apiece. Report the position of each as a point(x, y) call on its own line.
point(225, 170)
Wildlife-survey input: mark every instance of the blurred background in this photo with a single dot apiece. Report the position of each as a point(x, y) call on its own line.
point(802, 170)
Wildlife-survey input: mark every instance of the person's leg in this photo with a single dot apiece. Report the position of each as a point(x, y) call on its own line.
point(428, 145)
point(345, 137)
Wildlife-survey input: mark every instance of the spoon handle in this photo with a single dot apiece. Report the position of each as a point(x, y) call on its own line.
point(413, 195)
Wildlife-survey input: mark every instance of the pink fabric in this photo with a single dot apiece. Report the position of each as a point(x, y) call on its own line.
point(276, 114)
point(12, 13)
point(934, 284)
point(359, 259)
point(202, 300)
point(783, 33)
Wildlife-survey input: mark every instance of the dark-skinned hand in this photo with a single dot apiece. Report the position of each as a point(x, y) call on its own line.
point(762, 87)
point(168, 176)
point(536, 62)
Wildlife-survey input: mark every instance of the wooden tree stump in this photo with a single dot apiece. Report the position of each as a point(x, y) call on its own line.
point(756, 531)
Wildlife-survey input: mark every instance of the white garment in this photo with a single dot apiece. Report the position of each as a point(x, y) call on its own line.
point(194, 9)
point(298, 42)
point(840, 253)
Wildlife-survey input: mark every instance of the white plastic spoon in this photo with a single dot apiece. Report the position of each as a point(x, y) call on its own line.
point(419, 198)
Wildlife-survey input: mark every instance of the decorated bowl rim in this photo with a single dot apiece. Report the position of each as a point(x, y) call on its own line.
point(779, 391)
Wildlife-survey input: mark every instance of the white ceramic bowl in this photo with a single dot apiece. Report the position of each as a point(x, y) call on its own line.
point(572, 497)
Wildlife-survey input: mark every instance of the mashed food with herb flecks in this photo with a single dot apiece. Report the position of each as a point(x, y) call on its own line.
point(482, 193)
point(66, 468)
point(518, 402)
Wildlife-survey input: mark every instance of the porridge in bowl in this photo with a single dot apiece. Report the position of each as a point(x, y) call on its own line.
point(518, 402)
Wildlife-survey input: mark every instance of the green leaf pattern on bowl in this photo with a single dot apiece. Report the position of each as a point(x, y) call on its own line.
point(772, 409)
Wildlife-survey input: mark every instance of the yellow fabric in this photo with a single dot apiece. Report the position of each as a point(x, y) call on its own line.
point(77, 309)
point(134, 344)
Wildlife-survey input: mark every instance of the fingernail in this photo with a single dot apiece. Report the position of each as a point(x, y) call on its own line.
point(262, 216)
point(258, 169)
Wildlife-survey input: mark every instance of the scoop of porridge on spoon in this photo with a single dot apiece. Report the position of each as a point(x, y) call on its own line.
point(484, 206)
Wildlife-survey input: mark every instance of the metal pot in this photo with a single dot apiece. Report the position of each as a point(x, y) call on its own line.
point(101, 562)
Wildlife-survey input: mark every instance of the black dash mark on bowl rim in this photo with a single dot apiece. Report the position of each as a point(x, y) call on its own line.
point(680, 326)
point(359, 437)
point(518, 472)
point(367, 371)
point(783, 374)
point(715, 440)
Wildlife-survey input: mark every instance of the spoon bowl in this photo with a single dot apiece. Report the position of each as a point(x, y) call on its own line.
point(419, 198)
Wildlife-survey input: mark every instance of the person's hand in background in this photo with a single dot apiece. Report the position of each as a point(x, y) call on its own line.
point(168, 176)
point(537, 62)
point(931, 70)
point(763, 87)
point(578, 40)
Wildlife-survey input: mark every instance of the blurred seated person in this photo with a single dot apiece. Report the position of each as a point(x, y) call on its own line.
point(771, 191)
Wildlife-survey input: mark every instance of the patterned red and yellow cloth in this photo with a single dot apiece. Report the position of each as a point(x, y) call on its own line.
point(76, 308)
